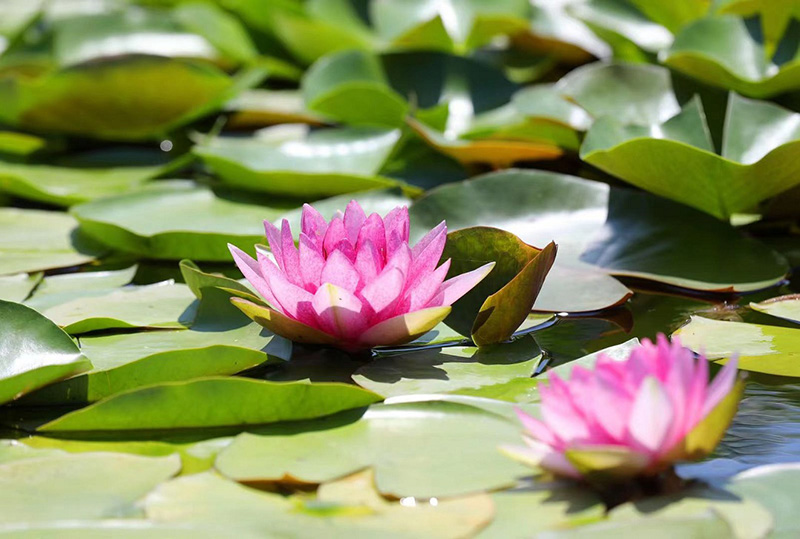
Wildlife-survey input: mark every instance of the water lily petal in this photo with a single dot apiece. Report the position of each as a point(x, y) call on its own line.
point(651, 415)
point(721, 385)
point(354, 218)
point(369, 262)
point(403, 328)
point(274, 241)
point(339, 312)
point(384, 292)
point(373, 232)
point(425, 255)
point(252, 272)
point(420, 295)
point(282, 325)
point(452, 289)
point(291, 258)
point(340, 271)
point(313, 225)
point(334, 235)
point(311, 262)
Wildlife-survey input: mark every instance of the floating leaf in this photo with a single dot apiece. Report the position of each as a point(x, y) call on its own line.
point(164, 221)
point(449, 369)
point(125, 98)
point(387, 439)
point(772, 486)
point(626, 23)
point(324, 163)
point(259, 108)
point(160, 305)
point(79, 486)
point(211, 402)
point(767, 349)
point(786, 307)
point(722, 51)
point(32, 240)
point(492, 311)
point(17, 287)
point(34, 352)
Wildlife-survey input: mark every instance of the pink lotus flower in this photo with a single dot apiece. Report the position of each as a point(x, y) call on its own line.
point(354, 282)
point(631, 417)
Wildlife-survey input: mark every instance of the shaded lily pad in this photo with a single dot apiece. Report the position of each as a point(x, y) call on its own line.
point(604, 234)
point(32, 240)
point(125, 98)
point(449, 369)
point(211, 402)
point(15, 143)
point(387, 439)
point(308, 166)
point(164, 222)
point(160, 305)
point(34, 352)
point(347, 508)
point(767, 349)
point(78, 486)
point(722, 51)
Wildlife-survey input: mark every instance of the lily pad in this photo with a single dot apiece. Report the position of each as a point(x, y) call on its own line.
point(786, 307)
point(766, 349)
point(722, 51)
point(162, 221)
point(770, 485)
point(387, 438)
point(211, 402)
point(33, 240)
point(604, 234)
point(492, 311)
point(260, 108)
point(126, 98)
point(682, 165)
point(57, 289)
point(78, 486)
point(17, 287)
point(34, 352)
point(160, 305)
point(346, 508)
point(449, 369)
point(314, 165)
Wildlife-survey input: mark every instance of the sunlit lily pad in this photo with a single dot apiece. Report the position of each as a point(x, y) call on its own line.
point(33, 352)
point(387, 438)
point(770, 485)
point(449, 369)
point(125, 98)
point(79, 486)
point(32, 240)
point(17, 287)
point(766, 349)
point(176, 220)
point(786, 307)
point(160, 305)
point(722, 51)
point(308, 166)
point(211, 402)
point(260, 108)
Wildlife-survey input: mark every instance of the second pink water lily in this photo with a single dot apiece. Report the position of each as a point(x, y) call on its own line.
point(353, 282)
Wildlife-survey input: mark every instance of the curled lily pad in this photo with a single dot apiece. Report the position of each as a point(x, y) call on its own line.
point(162, 221)
point(313, 165)
point(32, 240)
point(786, 307)
point(722, 51)
point(125, 98)
point(211, 402)
point(34, 352)
point(766, 349)
point(682, 163)
point(493, 310)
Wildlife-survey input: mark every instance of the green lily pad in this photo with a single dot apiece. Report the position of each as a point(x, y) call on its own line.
point(358, 87)
point(196, 279)
point(604, 235)
point(125, 98)
point(34, 352)
point(17, 287)
point(449, 369)
point(160, 305)
point(387, 439)
point(346, 508)
point(492, 311)
point(682, 165)
point(766, 349)
point(775, 17)
point(163, 221)
point(259, 108)
point(33, 240)
point(65, 186)
point(554, 32)
point(772, 486)
point(211, 402)
point(79, 486)
point(15, 143)
point(314, 165)
point(722, 51)
point(57, 289)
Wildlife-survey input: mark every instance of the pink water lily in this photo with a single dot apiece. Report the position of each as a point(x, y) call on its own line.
point(631, 417)
point(353, 282)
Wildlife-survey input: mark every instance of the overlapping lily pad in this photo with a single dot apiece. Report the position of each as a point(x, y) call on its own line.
point(722, 51)
point(604, 235)
point(17, 287)
point(304, 165)
point(33, 352)
point(33, 240)
point(164, 221)
point(386, 438)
